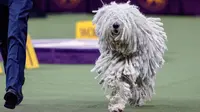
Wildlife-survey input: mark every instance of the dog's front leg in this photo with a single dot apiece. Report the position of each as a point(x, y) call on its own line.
point(116, 103)
point(119, 97)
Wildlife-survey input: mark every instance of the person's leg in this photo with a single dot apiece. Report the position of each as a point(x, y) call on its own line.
point(4, 33)
point(17, 36)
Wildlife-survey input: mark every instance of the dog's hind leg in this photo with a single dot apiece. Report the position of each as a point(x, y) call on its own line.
point(142, 92)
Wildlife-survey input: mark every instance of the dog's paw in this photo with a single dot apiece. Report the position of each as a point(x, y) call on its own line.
point(140, 103)
point(118, 110)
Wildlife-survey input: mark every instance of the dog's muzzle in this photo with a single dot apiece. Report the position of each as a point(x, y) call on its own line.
point(115, 28)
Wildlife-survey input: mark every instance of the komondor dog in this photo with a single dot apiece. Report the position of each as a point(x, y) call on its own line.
point(131, 49)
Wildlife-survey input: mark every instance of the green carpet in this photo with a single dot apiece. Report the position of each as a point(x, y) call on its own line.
point(59, 26)
point(72, 88)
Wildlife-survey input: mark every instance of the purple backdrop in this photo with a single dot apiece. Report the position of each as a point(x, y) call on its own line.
point(67, 6)
point(174, 7)
point(151, 7)
point(39, 8)
point(40, 5)
point(191, 7)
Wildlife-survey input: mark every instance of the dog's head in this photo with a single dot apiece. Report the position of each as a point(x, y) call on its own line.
point(116, 25)
point(123, 28)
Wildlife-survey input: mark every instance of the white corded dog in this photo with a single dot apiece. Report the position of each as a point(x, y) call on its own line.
point(131, 49)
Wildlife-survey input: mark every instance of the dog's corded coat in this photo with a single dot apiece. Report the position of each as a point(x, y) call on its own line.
point(129, 55)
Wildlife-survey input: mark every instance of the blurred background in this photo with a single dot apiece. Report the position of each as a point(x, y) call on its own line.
point(66, 48)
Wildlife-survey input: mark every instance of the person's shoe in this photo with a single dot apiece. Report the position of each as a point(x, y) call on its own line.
point(11, 100)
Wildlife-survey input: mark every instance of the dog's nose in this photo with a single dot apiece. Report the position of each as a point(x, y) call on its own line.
point(115, 26)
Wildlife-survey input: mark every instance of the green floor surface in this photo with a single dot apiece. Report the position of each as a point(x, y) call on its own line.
point(72, 88)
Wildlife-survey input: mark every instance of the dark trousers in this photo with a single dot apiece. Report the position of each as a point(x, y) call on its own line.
point(13, 36)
